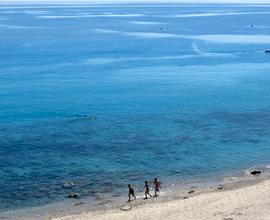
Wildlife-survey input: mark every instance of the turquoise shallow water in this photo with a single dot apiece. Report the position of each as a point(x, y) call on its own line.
point(111, 95)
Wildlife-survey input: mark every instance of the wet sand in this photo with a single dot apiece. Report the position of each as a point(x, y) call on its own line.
point(247, 199)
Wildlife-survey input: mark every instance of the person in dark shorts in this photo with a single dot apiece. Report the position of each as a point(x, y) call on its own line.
point(130, 193)
point(146, 190)
point(157, 186)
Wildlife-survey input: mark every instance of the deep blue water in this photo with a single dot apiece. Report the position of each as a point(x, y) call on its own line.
point(111, 95)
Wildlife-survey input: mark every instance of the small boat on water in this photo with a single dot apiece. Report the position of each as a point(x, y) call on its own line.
point(267, 51)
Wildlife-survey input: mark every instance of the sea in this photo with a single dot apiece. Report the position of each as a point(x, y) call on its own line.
point(102, 96)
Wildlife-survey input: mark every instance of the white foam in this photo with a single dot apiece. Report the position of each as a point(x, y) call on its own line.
point(196, 15)
point(211, 14)
point(196, 49)
point(16, 26)
point(108, 31)
point(88, 16)
point(232, 179)
point(102, 61)
point(211, 38)
point(139, 34)
point(257, 5)
point(234, 39)
point(209, 54)
point(99, 5)
point(9, 12)
point(146, 23)
point(35, 12)
point(152, 35)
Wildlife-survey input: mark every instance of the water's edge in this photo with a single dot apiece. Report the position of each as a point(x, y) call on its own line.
point(228, 181)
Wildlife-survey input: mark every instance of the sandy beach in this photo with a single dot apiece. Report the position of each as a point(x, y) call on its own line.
point(250, 201)
point(96, 96)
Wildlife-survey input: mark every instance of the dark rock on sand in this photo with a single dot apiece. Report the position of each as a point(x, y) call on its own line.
point(73, 195)
point(191, 191)
point(255, 172)
point(220, 187)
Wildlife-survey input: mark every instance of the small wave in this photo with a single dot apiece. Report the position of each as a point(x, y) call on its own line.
point(88, 16)
point(231, 179)
point(16, 26)
point(212, 14)
point(84, 117)
point(146, 22)
point(211, 38)
point(35, 12)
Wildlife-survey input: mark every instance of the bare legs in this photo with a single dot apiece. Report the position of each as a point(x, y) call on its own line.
point(129, 198)
point(147, 193)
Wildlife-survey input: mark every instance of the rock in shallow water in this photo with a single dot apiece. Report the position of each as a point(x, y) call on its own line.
point(255, 172)
point(79, 203)
point(73, 195)
point(68, 185)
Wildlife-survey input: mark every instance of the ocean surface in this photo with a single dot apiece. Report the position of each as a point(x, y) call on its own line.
point(104, 96)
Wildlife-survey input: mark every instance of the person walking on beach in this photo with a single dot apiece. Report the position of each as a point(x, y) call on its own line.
point(130, 193)
point(157, 186)
point(146, 190)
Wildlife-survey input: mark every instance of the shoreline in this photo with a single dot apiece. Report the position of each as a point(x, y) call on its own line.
point(243, 199)
point(80, 209)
